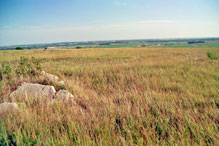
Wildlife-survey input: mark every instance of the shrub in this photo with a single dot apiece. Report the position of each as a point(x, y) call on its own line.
point(18, 48)
point(79, 47)
point(28, 67)
point(25, 68)
point(5, 70)
point(212, 54)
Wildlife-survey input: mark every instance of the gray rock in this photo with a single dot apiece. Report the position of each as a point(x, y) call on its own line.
point(64, 95)
point(51, 77)
point(8, 107)
point(30, 90)
point(61, 82)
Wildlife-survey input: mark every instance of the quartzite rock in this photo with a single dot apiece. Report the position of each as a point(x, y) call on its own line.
point(64, 95)
point(8, 107)
point(30, 90)
point(52, 78)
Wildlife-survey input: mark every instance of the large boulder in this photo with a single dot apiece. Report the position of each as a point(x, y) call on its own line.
point(30, 90)
point(8, 107)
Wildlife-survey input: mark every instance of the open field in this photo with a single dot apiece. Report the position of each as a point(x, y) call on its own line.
point(167, 43)
point(125, 96)
point(210, 45)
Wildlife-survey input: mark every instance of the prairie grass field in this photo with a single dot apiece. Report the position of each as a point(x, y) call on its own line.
point(124, 96)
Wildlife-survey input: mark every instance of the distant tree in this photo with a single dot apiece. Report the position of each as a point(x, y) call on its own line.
point(78, 47)
point(196, 42)
point(18, 48)
point(45, 48)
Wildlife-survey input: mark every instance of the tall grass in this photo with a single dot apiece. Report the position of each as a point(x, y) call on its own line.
point(125, 96)
point(212, 54)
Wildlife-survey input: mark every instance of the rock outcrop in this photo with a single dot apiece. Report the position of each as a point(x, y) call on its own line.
point(30, 90)
point(7, 108)
point(38, 91)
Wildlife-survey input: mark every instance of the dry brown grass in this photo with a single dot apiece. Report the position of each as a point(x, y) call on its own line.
point(125, 96)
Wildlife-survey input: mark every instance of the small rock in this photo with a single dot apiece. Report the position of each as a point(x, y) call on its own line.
point(65, 96)
point(61, 82)
point(34, 91)
point(51, 77)
point(8, 107)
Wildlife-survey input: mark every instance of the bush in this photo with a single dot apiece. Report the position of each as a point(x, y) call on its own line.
point(79, 47)
point(18, 48)
point(5, 70)
point(28, 67)
point(212, 54)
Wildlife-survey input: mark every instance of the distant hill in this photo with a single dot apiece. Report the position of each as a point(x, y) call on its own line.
point(113, 43)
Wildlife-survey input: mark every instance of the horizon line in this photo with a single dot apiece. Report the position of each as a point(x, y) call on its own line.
point(176, 38)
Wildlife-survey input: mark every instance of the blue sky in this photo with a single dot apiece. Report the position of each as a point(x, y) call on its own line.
point(47, 21)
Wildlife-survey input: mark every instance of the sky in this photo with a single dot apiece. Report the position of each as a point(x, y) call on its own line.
point(48, 21)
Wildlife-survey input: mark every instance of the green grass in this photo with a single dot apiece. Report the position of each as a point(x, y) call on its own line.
point(211, 45)
point(124, 96)
point(135, 45)
point(212, 54)
point(170, 44)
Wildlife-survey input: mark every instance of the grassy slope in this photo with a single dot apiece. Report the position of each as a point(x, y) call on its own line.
point(126, 96)
point(129, 45)
point(211, 45)
point(172, 45)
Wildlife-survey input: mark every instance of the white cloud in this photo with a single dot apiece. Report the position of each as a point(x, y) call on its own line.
point(156, 21)
point(121, 4)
